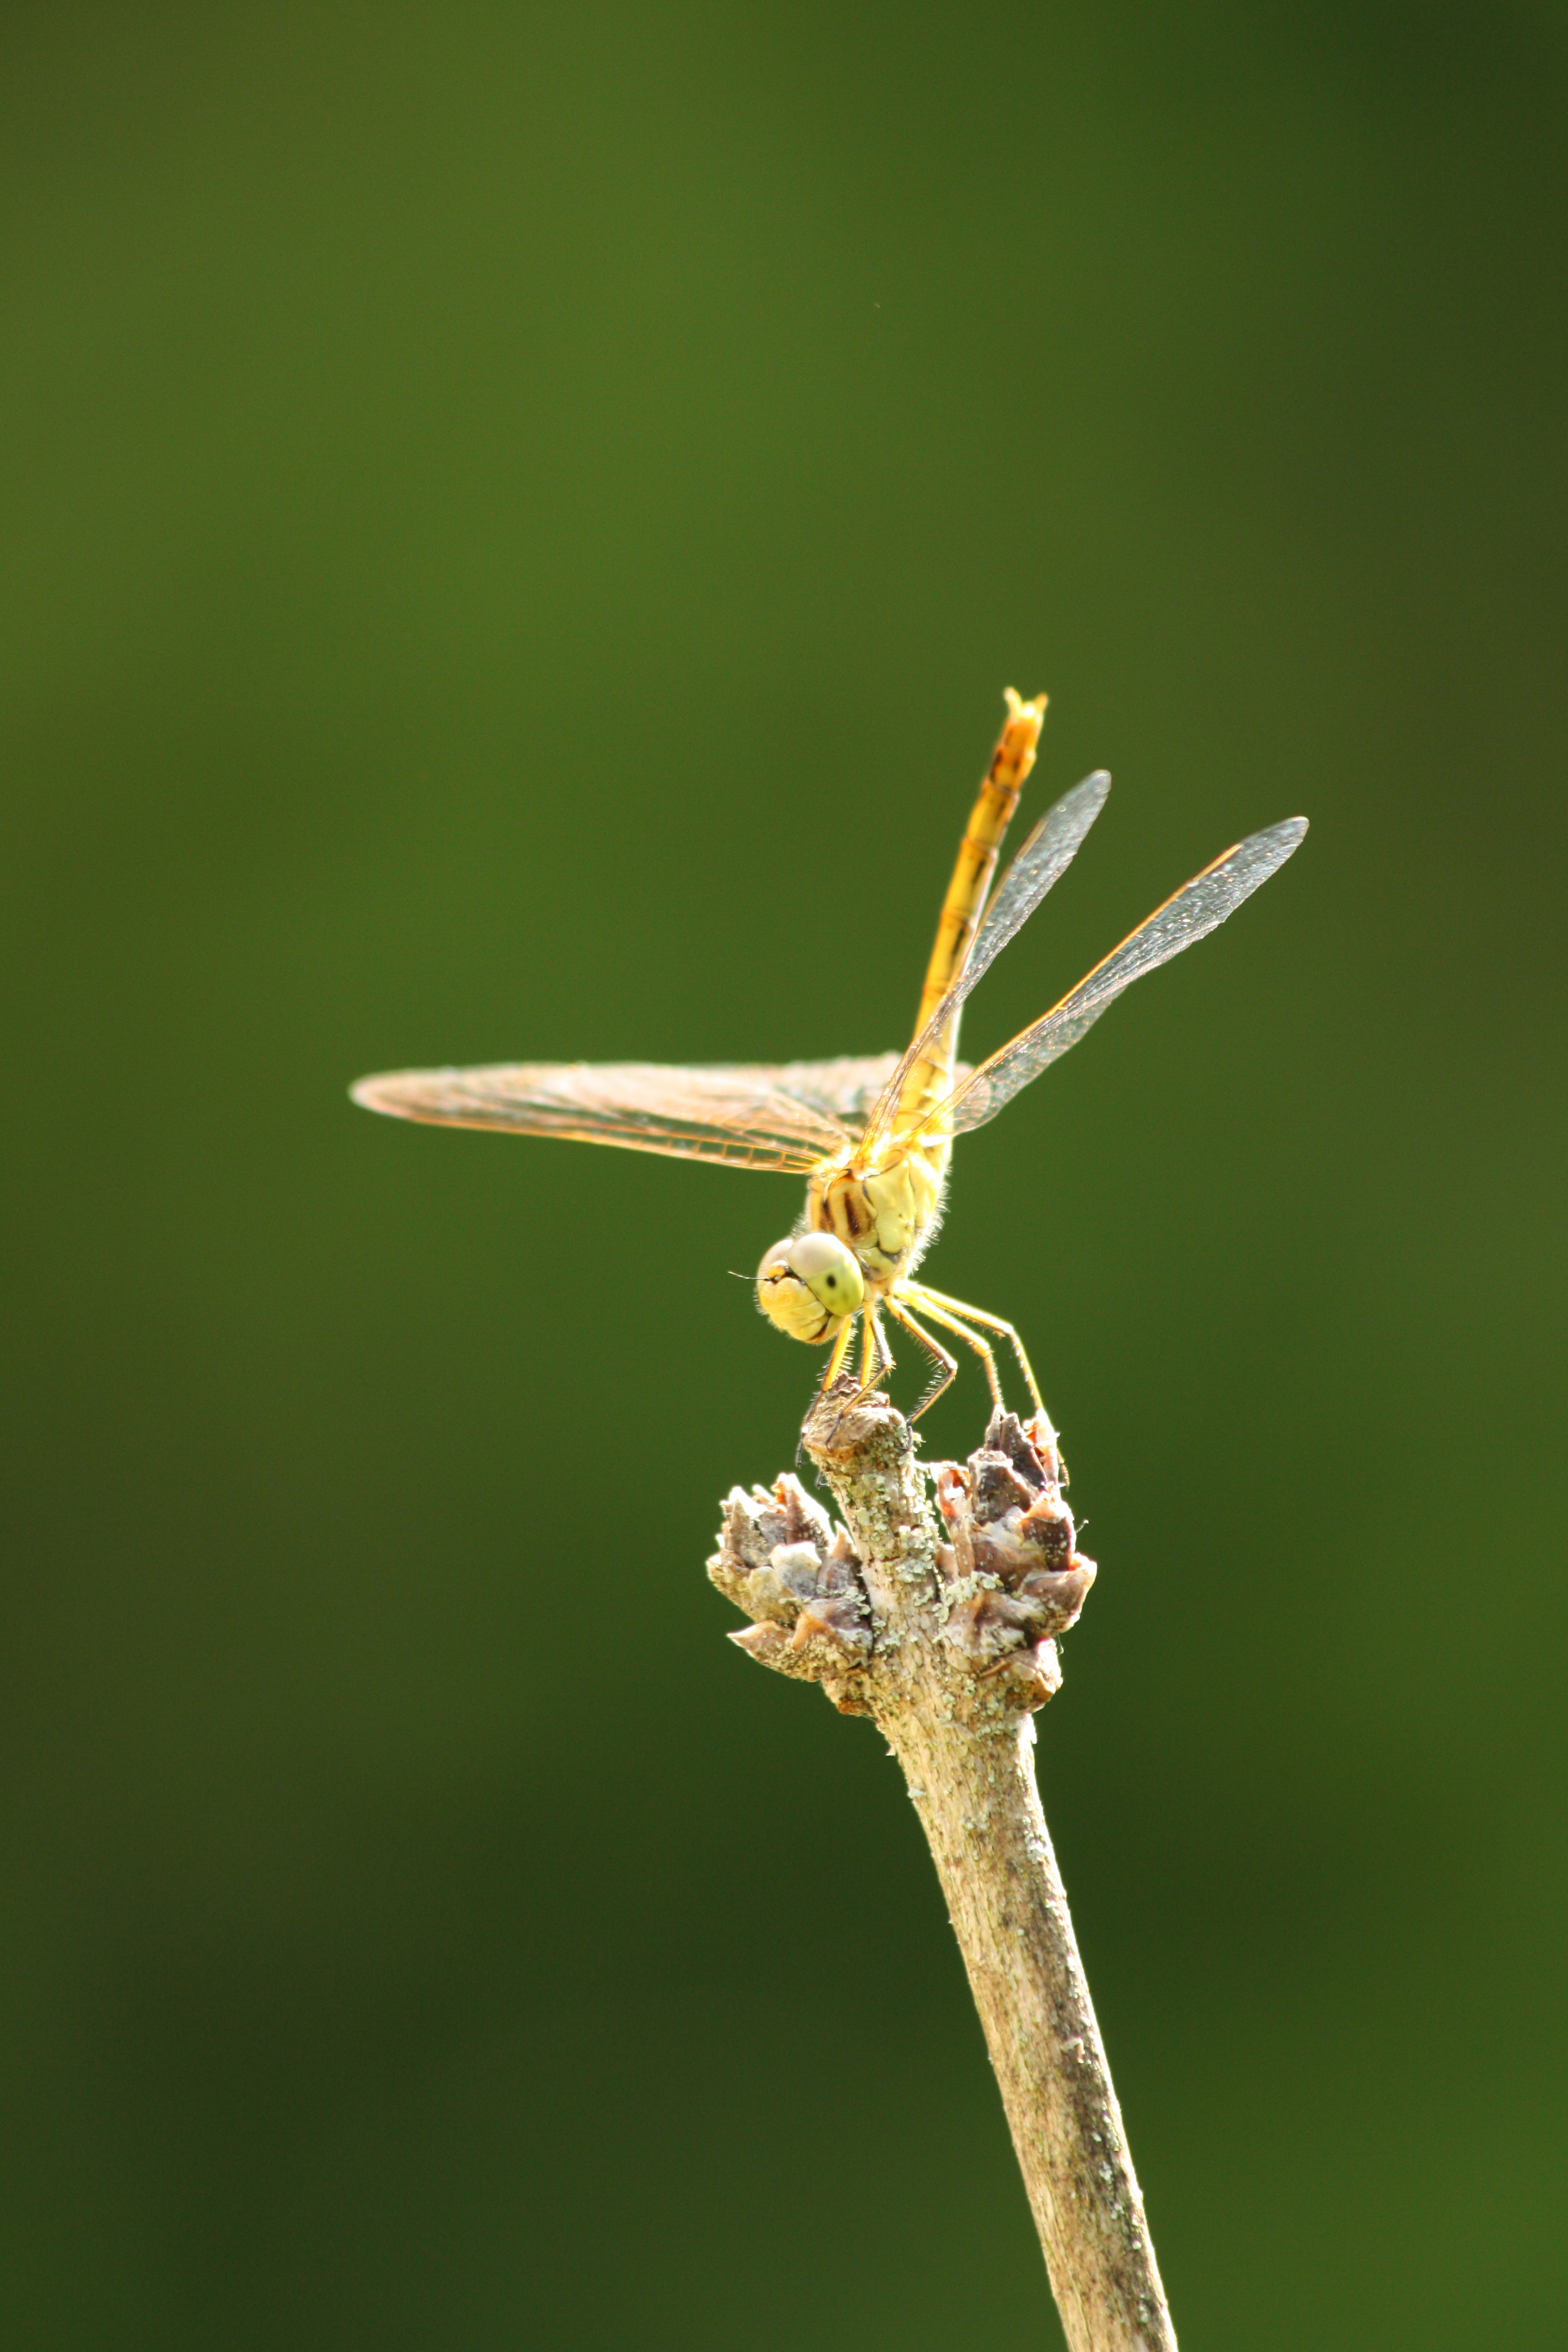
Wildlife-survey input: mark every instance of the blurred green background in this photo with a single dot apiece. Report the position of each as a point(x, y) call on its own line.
point(517, 524)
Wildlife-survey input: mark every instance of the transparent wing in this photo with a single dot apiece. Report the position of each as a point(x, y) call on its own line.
point(1041, 861)
point(789, 1116)
point(1197, 908)
point(845, 1089)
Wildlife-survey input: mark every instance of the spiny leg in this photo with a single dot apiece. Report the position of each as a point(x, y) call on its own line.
point(934, 1299)
point(982, 1347)
point(876, 1361)
point(947, 1367)
point(875, 1357)
point(836, 1354)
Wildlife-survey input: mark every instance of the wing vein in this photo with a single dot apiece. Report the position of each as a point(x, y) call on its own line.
point(790, 1116)
point(1198, 907)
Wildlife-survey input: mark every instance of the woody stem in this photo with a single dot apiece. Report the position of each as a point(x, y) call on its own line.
point(980, 1808)
point(972, 1777)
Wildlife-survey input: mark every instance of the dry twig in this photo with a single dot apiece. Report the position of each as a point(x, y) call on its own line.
point(949, 1645)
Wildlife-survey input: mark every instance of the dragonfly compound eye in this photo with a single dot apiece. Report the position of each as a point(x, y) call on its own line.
point(808, 1285)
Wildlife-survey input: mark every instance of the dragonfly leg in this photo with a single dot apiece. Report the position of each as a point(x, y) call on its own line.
point(836, 1354)
point(931, 1299)
point(876, 1356)
point(875, 1362)
point(950, 1322)
point(947, 1367)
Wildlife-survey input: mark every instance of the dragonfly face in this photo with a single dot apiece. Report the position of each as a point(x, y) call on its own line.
point(810, 1286)
point(873, 1137)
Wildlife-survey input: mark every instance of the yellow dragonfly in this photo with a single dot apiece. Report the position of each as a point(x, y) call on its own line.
point(873, 1137)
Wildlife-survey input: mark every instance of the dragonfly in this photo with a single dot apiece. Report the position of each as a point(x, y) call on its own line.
point(873, 1136)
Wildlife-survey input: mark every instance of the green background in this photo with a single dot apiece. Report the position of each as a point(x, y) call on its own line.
point(517, 523)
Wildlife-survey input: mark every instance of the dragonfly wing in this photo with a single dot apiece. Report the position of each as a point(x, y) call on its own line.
point(1040, 863)
point(845, 1088)
point(1197, 908)
point(789, 1117)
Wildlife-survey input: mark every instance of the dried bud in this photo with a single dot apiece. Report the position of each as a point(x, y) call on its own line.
point(1056, 1600)
point(797, 1577)
point(997, 1488)
point(1030, 1448)
point(841, 1625)
point(1008, 1579)
point(1046, 1670)
point(767, 1644)
point(1015, 1579)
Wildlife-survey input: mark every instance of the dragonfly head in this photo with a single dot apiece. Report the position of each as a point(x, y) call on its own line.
point(807, 1285)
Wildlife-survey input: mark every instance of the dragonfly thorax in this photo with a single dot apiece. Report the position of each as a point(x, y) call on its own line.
point(885, 1215)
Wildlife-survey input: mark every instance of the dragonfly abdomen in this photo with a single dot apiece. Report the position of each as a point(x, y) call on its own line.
point(931, 1079)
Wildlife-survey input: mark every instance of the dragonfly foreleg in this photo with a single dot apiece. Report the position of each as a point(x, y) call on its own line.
point(836, 1354)
point(876, 1363)
point(933, 1299)
point(947, 1366)
point(876, 1356)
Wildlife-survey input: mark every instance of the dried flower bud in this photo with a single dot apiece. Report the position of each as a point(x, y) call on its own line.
point(1015, 1579)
